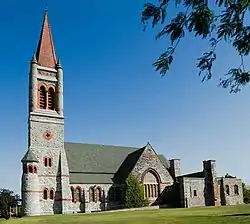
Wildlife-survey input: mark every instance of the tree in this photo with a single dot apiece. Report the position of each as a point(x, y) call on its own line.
point(219, 21)
point(133, 193)
point(246, 194)
point(7, 200)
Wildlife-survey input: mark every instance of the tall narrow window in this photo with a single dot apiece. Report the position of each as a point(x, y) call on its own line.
point(45, 194)
point(45, 161)
point(42, 97)
point(227, 190)
point(236, 189)
point(98, 194)
point(91, 194)
point(72, 194)
point(51, 99)
point(35, 169)
point(50, 162)
point(30, 169)
point(51, 194)
point(78, 194)
point(195, 193)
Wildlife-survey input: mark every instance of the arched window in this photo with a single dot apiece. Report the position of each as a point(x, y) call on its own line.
point(51, 99)
point(78, 194)
point(72, 194)
point(98, 194)
point(155, 190)
point(42, 97)
point(25, 168)
point(50, 162)
point(51, 194)
point(45, 194)
point(91, 194)
point(35, 169)
point(45, 161)
point(227, 190)
point(151, 184)
point(111, 194)
point(148, 190)
point(30, 168)
point(145, 191)
point(236, 189)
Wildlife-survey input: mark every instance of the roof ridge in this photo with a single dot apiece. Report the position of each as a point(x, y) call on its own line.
point(99, 144)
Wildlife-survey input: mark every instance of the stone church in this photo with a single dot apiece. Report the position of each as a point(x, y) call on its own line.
point(64, 177)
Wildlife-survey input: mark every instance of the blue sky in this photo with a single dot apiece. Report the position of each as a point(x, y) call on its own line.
point(112, 95)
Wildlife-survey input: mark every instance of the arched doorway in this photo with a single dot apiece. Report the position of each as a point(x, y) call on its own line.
point(151, 184)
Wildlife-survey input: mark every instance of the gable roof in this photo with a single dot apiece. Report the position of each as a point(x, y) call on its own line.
point(95, 158)
point(96, 163)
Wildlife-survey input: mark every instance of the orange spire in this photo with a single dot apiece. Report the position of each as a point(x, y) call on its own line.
point(45, 53)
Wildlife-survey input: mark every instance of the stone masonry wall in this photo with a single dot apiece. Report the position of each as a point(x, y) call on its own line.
point(150, 161)
point(193, 192)
point(31, 194)
point(232, 198)
point(87, 206)
point(49, 177)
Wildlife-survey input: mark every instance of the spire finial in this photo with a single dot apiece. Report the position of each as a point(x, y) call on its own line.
point(46, 8)
point(34, 60)
point(45, 53)
point(59, 65)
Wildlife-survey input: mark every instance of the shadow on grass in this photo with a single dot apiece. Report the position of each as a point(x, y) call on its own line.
point(241, 214)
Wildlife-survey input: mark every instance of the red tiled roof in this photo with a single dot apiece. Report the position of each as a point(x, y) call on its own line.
point(45, 53)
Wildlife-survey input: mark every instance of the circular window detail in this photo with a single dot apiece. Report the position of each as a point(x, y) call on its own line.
point(48, 135)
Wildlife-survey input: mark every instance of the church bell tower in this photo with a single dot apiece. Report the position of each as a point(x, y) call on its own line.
point(45, 179)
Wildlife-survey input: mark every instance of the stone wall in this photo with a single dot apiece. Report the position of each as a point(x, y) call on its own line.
point(31, 194)
point(231, 196)
point(193, 192)
point(87, 206)
point(149, 161)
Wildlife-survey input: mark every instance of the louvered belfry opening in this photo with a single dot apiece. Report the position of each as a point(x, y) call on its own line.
point(51, 99)
point(42, 97)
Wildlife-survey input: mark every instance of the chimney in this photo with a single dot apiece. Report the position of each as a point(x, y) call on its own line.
point(175, 167)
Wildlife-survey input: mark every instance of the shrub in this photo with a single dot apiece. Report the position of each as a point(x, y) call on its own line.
point(133, 193)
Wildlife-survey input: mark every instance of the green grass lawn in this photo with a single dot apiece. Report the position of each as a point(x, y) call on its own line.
point(228, 215)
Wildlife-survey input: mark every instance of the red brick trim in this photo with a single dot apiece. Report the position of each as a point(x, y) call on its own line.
point(42, 84)
point(78, 188)
point(30, 169)
point(51, 86)
point(35, 169)
point(100, 195)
